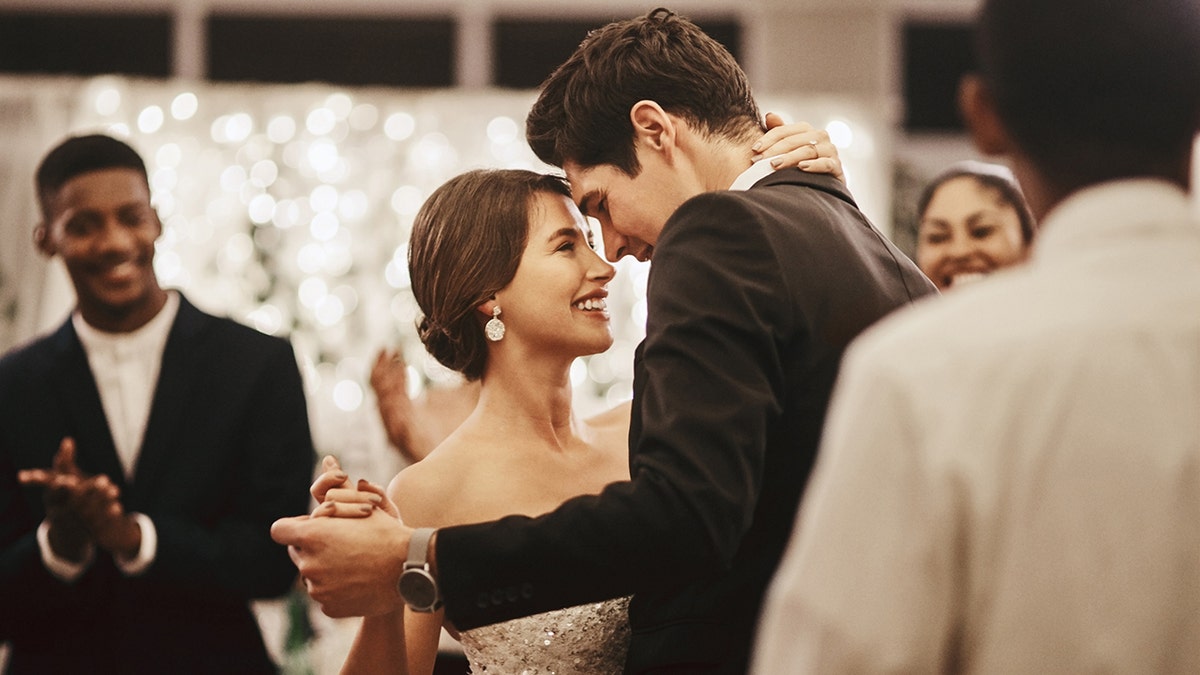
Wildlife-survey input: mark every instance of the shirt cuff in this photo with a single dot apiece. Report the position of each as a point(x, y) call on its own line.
point(132, 567)
point(65, 570)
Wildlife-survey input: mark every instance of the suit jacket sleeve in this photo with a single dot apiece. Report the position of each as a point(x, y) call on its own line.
point(25, 396)
point(709, 389)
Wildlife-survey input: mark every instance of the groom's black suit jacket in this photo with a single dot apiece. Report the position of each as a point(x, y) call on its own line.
point(752, 298)
point(227, 450)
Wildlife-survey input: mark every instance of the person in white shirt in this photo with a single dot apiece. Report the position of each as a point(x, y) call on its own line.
point(145, 449)
point(1009, 478)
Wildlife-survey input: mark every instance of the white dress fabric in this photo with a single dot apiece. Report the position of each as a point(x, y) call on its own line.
point(590, 639)
point(1009, 480)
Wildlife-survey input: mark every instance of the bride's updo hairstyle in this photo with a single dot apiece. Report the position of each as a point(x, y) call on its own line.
point(466, 244)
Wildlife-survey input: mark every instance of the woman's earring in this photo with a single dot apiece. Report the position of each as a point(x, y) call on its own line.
point(494, 329)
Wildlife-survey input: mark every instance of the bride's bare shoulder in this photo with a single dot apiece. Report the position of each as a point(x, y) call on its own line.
point(610, 433)
point(425, 491)
point(615, 418)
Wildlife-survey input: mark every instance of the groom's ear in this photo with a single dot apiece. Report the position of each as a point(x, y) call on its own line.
point(653, 127)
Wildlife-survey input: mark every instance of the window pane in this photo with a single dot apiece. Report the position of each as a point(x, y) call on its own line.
point(366, 51)
point(935, 58)
point(85, 44)
point(529, 50)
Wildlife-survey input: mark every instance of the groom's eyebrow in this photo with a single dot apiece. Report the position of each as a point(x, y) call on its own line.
point(585, 202)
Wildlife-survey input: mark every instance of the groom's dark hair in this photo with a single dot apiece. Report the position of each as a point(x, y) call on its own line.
point(582, 113)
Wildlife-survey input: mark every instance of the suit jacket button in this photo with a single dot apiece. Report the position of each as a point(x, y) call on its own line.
point(482, 601)
point(527, 590)
point(497, 597)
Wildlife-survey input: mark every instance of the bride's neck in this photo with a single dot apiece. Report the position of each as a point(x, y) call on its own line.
point(535, 399)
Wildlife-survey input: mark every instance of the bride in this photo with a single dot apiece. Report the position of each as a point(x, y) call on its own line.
point(503, 269)
point(512, 292)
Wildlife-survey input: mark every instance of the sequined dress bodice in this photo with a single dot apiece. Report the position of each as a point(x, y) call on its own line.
point(589, 639)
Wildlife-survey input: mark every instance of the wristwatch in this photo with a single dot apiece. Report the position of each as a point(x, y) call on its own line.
point(417, 586)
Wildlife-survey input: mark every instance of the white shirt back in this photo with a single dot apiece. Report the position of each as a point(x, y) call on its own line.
point(1009, 480)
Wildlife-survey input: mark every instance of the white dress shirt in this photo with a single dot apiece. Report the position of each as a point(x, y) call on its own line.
point(125, 367)
point(1009, 480)
point(757, 171)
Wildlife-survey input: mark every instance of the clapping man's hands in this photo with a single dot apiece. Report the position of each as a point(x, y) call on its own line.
point(83, 509)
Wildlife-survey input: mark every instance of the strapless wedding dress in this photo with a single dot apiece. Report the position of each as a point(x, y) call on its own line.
point(589, 639)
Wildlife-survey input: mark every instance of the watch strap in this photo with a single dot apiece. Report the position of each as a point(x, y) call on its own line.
point(418, 547)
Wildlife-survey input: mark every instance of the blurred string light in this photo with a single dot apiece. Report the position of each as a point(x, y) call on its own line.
point(347, 395)
point(503, 130)
point(232, 128)
point(407, 200)
point(321, 121)
point(339, 104)
point(281, 129)
point(363, 117)
point(150, 119)
point(399, 126)
point(169, 155)
point(261, 209)
point(184, 106)
point(840, 134)
point(263, 173)
point(108, 101)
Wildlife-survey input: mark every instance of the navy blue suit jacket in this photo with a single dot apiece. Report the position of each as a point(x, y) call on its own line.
point(227, 450)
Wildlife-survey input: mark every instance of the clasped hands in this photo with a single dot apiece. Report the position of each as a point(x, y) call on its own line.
point(350, 550)
point(82, 509)
point(336, 498)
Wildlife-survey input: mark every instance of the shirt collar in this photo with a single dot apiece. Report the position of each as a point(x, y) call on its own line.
point(153, 333)
point(757, 171)
point(1117, 208)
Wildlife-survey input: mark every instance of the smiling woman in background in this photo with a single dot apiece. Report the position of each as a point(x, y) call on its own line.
point(973, 220)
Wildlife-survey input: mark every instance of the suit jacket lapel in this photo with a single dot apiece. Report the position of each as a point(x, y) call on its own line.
point(172, 393)
point(76, 387)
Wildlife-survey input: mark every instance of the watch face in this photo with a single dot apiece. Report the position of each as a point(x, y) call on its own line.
point(418, 589)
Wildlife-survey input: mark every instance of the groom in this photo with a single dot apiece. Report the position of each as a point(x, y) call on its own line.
point(759, 281)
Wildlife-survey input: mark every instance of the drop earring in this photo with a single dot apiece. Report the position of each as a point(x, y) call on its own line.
point(494, 329)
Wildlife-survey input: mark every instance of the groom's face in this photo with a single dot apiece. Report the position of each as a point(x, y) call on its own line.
point(631, 210)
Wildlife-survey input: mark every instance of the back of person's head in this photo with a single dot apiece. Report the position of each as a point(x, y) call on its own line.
point(1093, 90)
point(78, 155)
point(582, 113)
point(995, 177)
point(466, 244)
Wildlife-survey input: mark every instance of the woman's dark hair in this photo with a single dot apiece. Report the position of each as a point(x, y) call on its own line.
point(466, 244)
point(992, 176)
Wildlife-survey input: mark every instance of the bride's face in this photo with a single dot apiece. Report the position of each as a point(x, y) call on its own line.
point(558, 297)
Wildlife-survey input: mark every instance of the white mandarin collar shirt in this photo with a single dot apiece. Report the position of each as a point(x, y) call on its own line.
point(125, 367)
